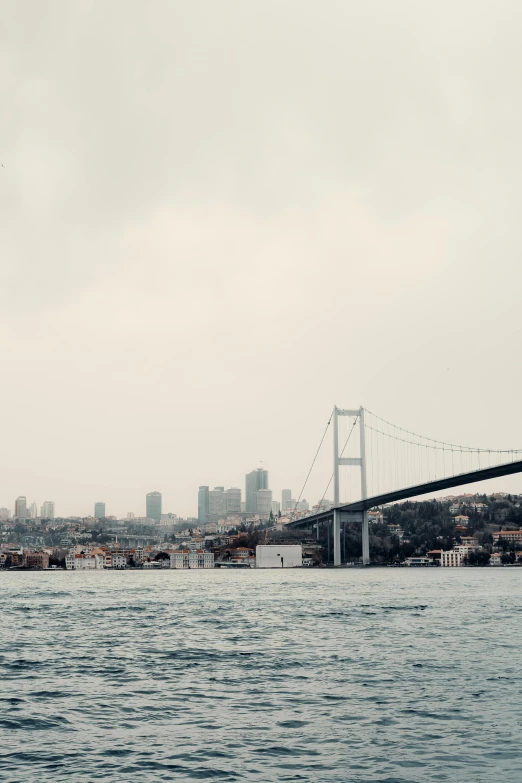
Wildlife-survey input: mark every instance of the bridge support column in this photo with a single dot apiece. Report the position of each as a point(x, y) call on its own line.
point(365, 540)
point(337, 537)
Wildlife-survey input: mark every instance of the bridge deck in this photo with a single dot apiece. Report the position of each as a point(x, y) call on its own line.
point(415, 491)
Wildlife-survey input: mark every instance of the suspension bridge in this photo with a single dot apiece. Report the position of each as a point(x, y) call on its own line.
point(394, 464)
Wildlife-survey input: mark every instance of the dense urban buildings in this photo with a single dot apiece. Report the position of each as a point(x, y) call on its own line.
point(99, 510)
point(153, 505)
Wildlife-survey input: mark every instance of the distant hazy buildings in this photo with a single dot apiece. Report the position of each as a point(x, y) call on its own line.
point(99, 510)
point(263, 503)
point(203, 504)
point(21, 507)
point(5, 513)
point(218, 503)
point(47, 510)
point(254, 481)
point(276, 507)
point(233, 501)
point(154, 506)
point(33, 510)
point(286, 499)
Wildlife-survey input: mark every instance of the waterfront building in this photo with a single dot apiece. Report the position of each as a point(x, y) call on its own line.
point(47, 510)
point(263, 503)
point(153, 505)
point(84, 562)
point(495, 559)
point(417, 561)
point(37, 559)
point(279, 556)
point(99, 510)
point(186, 558)
point(21, 507)
point(454, 558)
point(203, 504)
point(254, 481)
point(115, 560)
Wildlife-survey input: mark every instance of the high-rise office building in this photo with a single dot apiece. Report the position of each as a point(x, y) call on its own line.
point(21, 507)
point(47, 510)
point(254, 481)
point(263, 503)
point(203, 504)
point(286, 499)
point(99, 510)
point(233, 501)
point(276, 507)
point(154, 506)
point(33, 510)
point(217, 503)
point(4, 514)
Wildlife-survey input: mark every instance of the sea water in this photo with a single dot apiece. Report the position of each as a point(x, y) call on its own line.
point(386, 675)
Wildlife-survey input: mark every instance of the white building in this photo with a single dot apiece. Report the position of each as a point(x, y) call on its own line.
point(115, 560)
point(185, 558)
point(84, 562)
point(495, 559)
point(454, 558)
point(279, 556)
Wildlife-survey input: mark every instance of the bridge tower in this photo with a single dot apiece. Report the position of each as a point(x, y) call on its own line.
point(359, 461)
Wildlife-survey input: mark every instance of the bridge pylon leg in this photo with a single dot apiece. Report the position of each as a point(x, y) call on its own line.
point(337, 537)
point(365, 540)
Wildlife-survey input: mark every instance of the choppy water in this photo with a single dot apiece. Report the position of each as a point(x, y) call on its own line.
point(307, 675)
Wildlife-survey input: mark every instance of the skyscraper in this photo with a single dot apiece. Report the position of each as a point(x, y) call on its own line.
point(217, 503)
point(33, 510)
point(233, 501)
point(21, 507)
point(286, 498)
point(202, 505)
point(254, 481)
point(47, 510)
point(154, 506)
point(264, 503)
point(99, 510)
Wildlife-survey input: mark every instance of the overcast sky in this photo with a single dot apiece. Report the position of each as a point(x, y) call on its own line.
point(221, 217)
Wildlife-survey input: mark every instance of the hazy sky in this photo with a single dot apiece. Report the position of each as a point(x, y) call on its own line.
point(221, 217)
